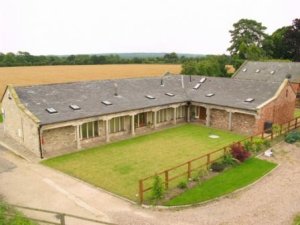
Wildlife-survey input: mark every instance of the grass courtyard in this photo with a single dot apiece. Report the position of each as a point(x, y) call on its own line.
point(118, 166)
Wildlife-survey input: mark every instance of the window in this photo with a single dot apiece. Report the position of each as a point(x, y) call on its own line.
point(249, 100)
point(257, 71)
point(74, 107)
point(116, 124)
point(150, 97)
point(245, 69)
point(89, 130)
point(140, 120)
point(180, 112)
point(209, 94)
point(202, 80)
point(197, 86)
point(106, 102)
point(51, 110)
point(169, 94)
point(272, 72)
point(162, 115)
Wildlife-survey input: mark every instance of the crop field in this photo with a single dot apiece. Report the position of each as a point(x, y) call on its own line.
point(59, 74)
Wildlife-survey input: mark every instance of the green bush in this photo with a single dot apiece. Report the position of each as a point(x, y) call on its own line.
point(249, 146)
point(259, 143)
point(276, 129)
point(218, 166)
point(267, 143)
point(292, 137)
point(182, 185)
point(228, 160)
point(157, 188)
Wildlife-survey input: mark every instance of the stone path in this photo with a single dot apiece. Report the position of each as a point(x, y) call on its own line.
point(274, 200)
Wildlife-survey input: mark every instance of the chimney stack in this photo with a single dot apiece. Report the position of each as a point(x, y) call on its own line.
point(116, 89)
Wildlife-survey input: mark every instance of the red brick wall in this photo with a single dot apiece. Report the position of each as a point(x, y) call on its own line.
point(279, 111)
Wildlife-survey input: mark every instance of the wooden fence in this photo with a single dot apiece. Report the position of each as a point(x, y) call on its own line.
point(207, 159)
point(55, 218)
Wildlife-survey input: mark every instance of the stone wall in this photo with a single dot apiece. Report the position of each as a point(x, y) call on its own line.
point(243, 123)
point(63, 138)
point(219, 119)
point(18, 125)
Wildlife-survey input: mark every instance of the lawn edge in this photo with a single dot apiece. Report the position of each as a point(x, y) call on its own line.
point(213, 199)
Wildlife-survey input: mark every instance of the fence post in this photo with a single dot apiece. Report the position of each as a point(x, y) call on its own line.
point(62, 219)
point(296, 121)
point(225, 150)
point(166, 179)
point(141, 191)
point(280, 131)
point(251, 139)
point(208, 159)
point(289, 124)
point(272, 135)
point(262, 135)
point(189, 170)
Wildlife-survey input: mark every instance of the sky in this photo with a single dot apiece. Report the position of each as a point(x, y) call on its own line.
point(62, 27)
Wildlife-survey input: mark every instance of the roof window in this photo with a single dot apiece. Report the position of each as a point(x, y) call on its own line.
point(149, 96)
point(272, 72)
point(197, 86)
point(257, 71)
point(170, 94)
point(74, 107)
point(245, 69)
point(249, 99)
point(210, 94)
point(106, 102)
point(202, 80)
point(51, 110)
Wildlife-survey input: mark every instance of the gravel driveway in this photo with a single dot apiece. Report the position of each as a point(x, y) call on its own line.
point(273, 200)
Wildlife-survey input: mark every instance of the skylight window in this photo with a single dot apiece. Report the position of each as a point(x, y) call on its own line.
point(202, 80)
point(272, 72)
point(245, 69)
point(257, 71)
point(51, 110)
point(197, 86)
point(106, 102)
point(210, 94)
point(150, 97)
point(249, 100)
point(74, 107)
point(169, 94)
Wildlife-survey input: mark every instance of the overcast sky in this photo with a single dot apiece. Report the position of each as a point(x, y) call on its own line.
point(116, 26)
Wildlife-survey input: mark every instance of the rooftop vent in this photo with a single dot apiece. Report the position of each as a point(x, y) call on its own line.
point(149, 96)
point(249, 100)
point(202, 80)
point(257, 71)
point(245, 69)
point(106, 102)
point(272, 72)
point(197, 86)
point(74, 107)
point(210, 94)
point(116, 89)
point(51, 110)
point(288, 76)
point(169, 94)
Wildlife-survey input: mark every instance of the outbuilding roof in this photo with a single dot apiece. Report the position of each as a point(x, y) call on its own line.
point(93, 97)
point(269, 71)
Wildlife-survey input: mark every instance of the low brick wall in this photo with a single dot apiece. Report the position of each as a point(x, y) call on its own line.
point(243, 123)
point(219, 119)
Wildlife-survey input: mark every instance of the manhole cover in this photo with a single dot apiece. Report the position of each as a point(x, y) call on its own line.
point(213, 136)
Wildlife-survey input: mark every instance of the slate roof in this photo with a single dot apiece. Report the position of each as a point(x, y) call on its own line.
point(281, 70)
point(89, 94)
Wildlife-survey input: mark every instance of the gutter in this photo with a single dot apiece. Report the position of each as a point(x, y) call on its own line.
point(40, 144)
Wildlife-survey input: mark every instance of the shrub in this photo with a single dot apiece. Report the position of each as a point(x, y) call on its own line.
point(267, 143)
point(157, 188)
point(217, 166)
point(238, 152)
point(228, 160)
point(249, 146)
point(259, 143)
point(276, 129)
point(292, 137)
point(182, 185)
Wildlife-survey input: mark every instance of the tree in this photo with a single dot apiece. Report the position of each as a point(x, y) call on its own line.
point(246, 34)
point(292, 40)
point(279, 47)
point(171, 57)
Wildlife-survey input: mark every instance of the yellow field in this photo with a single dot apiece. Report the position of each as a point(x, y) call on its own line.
point(59, 74)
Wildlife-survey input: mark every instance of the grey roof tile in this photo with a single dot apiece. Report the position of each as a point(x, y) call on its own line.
point(88, 95)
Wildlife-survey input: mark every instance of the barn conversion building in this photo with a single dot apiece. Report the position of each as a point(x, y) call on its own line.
point(271, 72)
point(55, 118)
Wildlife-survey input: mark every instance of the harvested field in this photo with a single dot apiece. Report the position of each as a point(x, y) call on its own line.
point(59, 74)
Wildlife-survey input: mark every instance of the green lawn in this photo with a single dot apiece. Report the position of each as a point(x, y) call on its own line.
point(224, 183)
point(296, 220)
point(1, 118)
point(118, 166)
point(296, 113)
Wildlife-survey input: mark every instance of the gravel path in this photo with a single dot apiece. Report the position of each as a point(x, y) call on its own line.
point(273, 200)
